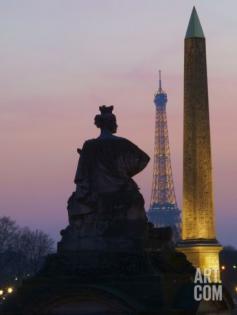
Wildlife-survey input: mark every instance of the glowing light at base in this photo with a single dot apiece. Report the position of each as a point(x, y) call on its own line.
point(10, 290)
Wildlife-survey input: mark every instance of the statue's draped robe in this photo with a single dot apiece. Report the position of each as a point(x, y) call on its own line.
point(106, 165)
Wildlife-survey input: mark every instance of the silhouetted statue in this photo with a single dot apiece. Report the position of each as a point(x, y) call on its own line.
point(107, 203)
point(110, 259)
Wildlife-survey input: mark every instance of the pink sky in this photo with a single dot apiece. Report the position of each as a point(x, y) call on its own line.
point(60, 60)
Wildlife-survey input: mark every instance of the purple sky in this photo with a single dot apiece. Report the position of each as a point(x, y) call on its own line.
point(61, 59)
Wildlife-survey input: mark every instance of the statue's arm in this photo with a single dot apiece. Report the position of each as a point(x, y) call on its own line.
point(142, 159)
point(134, 159)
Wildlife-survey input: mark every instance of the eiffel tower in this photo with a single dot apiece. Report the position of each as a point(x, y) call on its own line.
point(163, 209)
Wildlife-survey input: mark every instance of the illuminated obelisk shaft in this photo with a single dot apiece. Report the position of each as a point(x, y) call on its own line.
point(198, 216)
point(198, 228)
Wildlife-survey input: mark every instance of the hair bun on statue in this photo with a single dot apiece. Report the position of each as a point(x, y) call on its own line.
point(106, 118)
point(106, 109)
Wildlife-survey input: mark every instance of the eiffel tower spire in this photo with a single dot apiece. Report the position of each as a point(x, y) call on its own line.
point(163, 207)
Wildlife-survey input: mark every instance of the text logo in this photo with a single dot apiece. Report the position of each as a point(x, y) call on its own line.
point(206, 285)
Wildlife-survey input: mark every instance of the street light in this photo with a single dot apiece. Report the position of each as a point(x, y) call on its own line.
point(9, 290)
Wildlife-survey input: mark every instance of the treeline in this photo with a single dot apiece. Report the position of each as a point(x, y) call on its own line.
point(22, 251)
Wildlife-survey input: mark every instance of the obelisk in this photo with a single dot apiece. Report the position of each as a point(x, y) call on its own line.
point(199, 242)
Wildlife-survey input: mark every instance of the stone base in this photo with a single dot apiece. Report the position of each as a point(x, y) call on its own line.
point(96, 283)
point(98, 264)
point(203, 254)
point(134, 295)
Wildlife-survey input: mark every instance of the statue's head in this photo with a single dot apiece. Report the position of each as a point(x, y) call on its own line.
point(106, 120)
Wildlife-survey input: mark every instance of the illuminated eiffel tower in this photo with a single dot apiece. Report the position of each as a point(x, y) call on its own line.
point(163, 207)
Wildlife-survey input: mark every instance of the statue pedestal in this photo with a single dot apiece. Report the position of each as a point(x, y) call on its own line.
point(102, 283)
